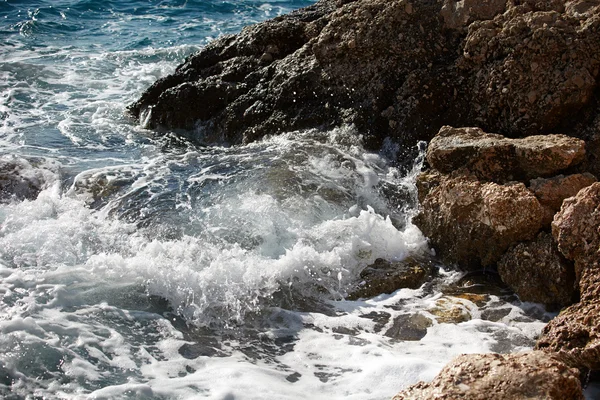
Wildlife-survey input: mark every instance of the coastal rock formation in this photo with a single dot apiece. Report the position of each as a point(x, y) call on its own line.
point(575, 332)
point(22, 178)
point(537, 272)
point(473, 223)
point(399, 69)
point(533, 375)
point(493, 157)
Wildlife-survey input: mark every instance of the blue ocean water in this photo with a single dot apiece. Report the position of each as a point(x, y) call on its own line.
point(149, 267)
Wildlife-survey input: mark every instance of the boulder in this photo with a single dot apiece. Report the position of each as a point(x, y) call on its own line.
point(472, 223)
point(576, 228)
point(575, 332)
point(393, 68)
point(493, 157)
point(24, 178)
point(533, 375)
point(538, 272)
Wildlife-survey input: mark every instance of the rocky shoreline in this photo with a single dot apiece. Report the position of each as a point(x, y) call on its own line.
point(507, 95)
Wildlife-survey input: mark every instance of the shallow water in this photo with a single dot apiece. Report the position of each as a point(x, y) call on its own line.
point(152, 267)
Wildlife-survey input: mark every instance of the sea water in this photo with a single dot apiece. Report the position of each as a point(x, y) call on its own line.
point(152, 267)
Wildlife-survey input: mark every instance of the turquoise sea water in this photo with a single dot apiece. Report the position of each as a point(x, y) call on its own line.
point(151, 268)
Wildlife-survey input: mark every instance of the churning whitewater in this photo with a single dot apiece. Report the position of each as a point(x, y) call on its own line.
point(136, 264)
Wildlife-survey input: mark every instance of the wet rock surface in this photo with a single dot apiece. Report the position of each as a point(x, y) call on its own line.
point(533, 375)
point(22, 178)
point(386, 277)
point(396, 69)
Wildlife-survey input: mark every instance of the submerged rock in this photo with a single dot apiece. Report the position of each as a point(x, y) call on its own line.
point(537, 272)
point(22, 178)
point(409, 327)
point(533, 375)
point(386, 277)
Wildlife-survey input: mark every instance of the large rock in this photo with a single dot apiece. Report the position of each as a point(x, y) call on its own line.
point(473, 223)
point(393, 68)
point(537, 272)
point(576, 228)
point(497, 158)
point(533, 67)
point(575, 332)
point(533, 375)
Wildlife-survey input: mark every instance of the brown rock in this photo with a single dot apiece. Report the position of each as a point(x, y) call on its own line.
point(533, 375)
point(499, 159)
point(552, 191)
point(386, 277)
point(450, 310)
point(537, 272)
point(575, 332)
point(473, 223)
point(533, 66)
point(458, 14)
point(576, 228)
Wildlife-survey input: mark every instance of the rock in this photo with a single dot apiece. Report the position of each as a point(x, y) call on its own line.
point(473, 223)
point(458, 14)
point(551, 192)
point(386, 277)
point(533, 375)
point(394, 69)
point(450, 310)
point(22, 178)
point(532, 67)
point(575, 332)
point(495, 158)
point(537, 272)
point(576, 228)
point(409, 327)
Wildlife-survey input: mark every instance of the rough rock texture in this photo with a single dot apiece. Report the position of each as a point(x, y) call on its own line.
point(537, 272)
point(393, 68)
point(576, 228)
point(575, 332)
point(496, 158)
point(22, 178)
point(473, 223)
point(533, 375)
point(409, 327)
point(386, 277)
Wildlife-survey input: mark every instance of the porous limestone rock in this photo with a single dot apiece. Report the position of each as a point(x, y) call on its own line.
point(532, 375)
point(496, 158)
point(538, 272)
point(472, 223)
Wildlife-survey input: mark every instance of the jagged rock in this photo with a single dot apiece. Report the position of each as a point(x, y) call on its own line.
point(532, 67)
point(393, 68)
point(386, 277)
point(576, 228)
point(473, 223)
point(537, 272)
point(575, 332)
point(533, 375)
point(496, 158)
point(552, 191)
